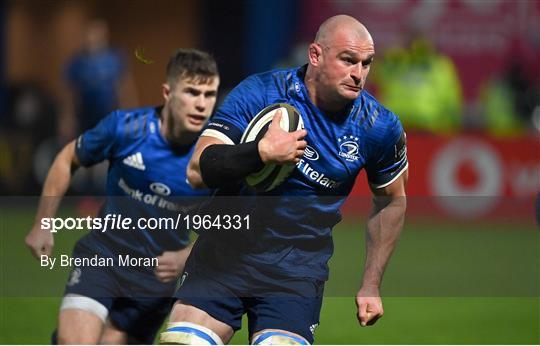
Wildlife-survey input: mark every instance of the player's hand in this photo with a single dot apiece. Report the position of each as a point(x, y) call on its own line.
point(39, 241)
point(171, 264)
point(279, 146)
point(369, 304)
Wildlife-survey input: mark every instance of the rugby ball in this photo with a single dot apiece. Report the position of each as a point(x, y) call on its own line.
point(271, 175)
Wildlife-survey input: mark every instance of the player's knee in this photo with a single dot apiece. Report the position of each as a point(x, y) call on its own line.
point(276, 337)
point(81, 320)
point(185, 333)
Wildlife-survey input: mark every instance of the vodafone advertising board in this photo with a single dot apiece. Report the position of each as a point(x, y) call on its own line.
point(470, 175)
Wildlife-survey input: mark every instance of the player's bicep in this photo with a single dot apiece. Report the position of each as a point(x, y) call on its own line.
point(394, 189)
point(71, 155)
point(389, 164)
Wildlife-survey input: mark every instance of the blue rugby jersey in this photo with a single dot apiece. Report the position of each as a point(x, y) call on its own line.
point(294, 221)
point(146, 178)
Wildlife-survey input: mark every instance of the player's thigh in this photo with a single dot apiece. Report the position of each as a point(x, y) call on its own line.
point(113, 336)
point(188, 313)
point(208, 302)
point(76, 326)
point(297, 314)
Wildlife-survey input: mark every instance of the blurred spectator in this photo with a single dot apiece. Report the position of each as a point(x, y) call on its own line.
point(508, 102)
point(97, 83)
point(28, 120)
point(421, 86)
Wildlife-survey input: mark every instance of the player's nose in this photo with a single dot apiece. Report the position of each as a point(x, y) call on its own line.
point(356, 74)
point(200, 103)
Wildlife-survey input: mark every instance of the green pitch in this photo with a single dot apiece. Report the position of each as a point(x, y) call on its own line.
point(447, 283)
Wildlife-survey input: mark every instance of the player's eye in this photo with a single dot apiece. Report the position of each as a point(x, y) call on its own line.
point(193, 92)
point(348, 60)
point(367, 62)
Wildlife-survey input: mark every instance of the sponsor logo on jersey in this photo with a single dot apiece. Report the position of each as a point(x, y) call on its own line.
point(313, 327)
point(400, 149)
point(149, 198)
point(311, 154)
point(160, 189)
point(318, 177)
point(348, 148)
point(74, 277)
point(135, 161)
point(183, 278)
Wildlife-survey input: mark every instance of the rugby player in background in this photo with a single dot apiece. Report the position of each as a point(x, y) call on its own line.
point(148, 150)
point(276, 272)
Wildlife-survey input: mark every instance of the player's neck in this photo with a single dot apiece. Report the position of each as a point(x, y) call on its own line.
point(320, 100)
point(325, 105)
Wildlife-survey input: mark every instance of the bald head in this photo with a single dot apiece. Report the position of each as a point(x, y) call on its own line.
point(339, 62)
point(341, 25)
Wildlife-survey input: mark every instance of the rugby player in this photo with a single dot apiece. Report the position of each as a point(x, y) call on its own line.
point(148, 150)
point(276, 272)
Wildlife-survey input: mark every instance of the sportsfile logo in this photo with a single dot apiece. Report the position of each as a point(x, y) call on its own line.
point(348, 148)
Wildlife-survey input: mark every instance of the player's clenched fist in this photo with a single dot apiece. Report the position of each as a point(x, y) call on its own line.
point(369, 305)
point(279, 146)
point(39, 241)
point(171, 264)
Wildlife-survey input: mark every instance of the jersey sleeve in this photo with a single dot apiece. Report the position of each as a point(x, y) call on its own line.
point(390, 159)
point(239, 107)
point(97, 144)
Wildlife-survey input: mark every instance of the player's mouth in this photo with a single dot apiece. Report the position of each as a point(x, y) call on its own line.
point(196, 119)
point(353, 88)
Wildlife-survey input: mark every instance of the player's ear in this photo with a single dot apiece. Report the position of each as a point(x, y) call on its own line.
point(314, 54)
point(166, 89)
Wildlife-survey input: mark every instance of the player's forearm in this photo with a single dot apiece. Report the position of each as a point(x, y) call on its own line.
point(194, 175)
point(383, 230)
point(57, 182)
point(222, 164)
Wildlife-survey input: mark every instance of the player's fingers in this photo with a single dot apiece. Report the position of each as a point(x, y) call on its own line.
point(301, 145)
point(299, 153)
point(166, 277)
point(47, 250)
point(363, 314)
point(165, 267)
point(276, 119)
point(373, 319)
point(299, 134)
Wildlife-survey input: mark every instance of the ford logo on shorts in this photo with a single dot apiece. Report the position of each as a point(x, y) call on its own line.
point(160, 189)
point(311, 154)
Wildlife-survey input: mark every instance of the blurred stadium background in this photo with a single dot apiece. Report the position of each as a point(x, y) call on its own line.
point(463, 75)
